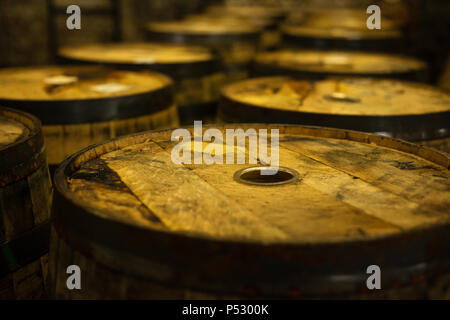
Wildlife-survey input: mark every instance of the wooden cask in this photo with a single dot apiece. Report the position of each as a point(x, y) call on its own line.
point(399, 109)
point(80, 106)
point(235, 44)
point(314, 64)
point(343, 29)
point(195, 71)
point(25, 201)
point(140, 226)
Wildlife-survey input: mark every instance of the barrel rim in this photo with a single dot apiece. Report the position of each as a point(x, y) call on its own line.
point(26, 154)
point(61, 186)
point(206, 38)
point(389, 124)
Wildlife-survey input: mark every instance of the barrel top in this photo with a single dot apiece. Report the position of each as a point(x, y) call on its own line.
point(348, 19)
point(247, 11)
point(341, 96)
point(138, 53)
point(340, 32)
point(343, 186)
point(256, 21)
point(202, 27)
point(21, 145)
point(339, 62)
point(55, 83)
point(11, 131)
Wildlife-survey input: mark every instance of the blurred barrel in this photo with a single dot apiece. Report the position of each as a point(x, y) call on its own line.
point(402, 110)
point(25, 201)
point(195, 70)
point(265, 17)
point(312, 64)
point(80, 106)
point(343, 29)
point(235, 43)
point(269, 37)
point(340, 202)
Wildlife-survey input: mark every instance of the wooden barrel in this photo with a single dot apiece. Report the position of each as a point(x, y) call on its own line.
point(25, 201)
point(195, 70)
point(235, 44)
point(343, 29)
point(310, 64)
point(404, 110)
point(80, 106)
point(140, 226)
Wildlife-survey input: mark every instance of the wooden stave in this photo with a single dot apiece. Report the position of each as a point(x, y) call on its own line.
point(193, 249)
point(423, 127)
point(23, 254)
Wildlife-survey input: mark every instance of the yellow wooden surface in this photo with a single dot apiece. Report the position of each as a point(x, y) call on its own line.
point(10, 131)
point(137, 53)
point(347, 191)
point(351, 96)
point(339, 61)
point(75, 83)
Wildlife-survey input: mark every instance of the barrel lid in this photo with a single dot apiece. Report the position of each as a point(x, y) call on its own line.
point(351, 200)
point(21, 145)
point(11, 131)
point(339, 62)
point(268, 12)
point(337, 169)
point(259, 22)
point(75, 94)
point(346, 18)
point(400, 109)
point(342, 96)
point(175, 60)
point(220, 27)
point(339, 33)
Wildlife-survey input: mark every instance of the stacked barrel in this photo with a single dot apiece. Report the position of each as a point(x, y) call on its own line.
point(362, 139)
